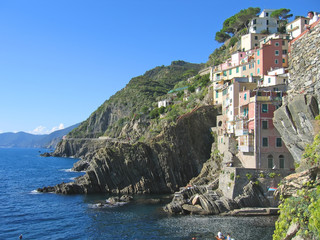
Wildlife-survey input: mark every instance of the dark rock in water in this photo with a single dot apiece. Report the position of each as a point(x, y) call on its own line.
point(126, 198)
point(46, 189)
point(46, 154)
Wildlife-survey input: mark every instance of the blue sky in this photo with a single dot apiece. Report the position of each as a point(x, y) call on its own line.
point(61, 59)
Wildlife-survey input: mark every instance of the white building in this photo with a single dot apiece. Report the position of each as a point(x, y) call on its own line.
point(163, 103)
point(297, 26)
point(264, 22)
point(275, 77)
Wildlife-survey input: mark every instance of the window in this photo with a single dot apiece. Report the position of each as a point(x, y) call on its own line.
point(264, 124)
point(224, 92)
point(225, 73)
point(279, 142)
point(258, 71)
point(267, 22)
point(255, 28)
point(284, 51)
point(283, 43)
point(283, 60)
point(270, 161)
point(237, 70)
point(258, 52)
point(230, 71)
point(264, 108)
point(244, 68)
point(276, 61)
point(267, 14)
point(256, 44)
point(269, 80)
point(217, 94)
point(255, 37)
point(265, 142)
point(276, 53)
point(245, 96)
point(281, 161)
point(276, 44)
point(305, 22)
point(259, 93)
point(258, 61)
point(254, 21)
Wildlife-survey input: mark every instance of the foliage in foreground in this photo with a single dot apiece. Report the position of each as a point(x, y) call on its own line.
point(303, 210)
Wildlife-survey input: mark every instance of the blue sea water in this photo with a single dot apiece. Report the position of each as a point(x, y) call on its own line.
point(52, 216)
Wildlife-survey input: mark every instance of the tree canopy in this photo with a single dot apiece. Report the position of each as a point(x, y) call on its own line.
point(233, 24)
point(282, 14)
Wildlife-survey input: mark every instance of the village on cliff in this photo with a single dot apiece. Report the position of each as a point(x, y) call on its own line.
point(248, 88)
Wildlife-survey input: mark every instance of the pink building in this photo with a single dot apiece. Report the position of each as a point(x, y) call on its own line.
point(273, 54)
point(259, 143)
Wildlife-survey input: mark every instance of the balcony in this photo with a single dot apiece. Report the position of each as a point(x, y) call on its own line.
point(245, 148)
point(241, 132)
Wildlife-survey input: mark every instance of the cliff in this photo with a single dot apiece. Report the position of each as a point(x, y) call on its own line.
point(161, 165)
point(295, 119)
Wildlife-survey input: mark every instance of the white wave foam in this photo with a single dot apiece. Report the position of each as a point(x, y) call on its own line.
point(34, 192)
point(66, 170)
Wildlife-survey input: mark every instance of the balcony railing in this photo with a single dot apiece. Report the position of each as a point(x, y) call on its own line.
point(245, 148)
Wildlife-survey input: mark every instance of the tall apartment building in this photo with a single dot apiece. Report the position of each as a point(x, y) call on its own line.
point(259, 143)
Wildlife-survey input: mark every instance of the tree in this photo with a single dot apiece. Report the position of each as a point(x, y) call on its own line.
point(282, 15)
point(221, 36)
point(235, 23)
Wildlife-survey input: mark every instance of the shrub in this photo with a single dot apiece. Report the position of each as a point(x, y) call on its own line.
point(249, 176)
point(232, 176)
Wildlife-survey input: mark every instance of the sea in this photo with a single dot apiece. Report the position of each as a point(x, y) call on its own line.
point(52, 216)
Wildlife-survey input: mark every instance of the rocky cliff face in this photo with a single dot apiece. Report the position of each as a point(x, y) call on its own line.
point(160, 166)
point(295, 119)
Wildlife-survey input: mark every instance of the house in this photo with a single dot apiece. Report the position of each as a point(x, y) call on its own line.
point(259, 143)
point(251, 40)
point(272, 54)
point(274, 77)
point(297, 26)
point(164, 103)
point(264, 23)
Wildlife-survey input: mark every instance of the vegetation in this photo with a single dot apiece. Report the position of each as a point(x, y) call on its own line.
point(282, 14)
point(304, 210)
point(232, 25)
point(136, 100)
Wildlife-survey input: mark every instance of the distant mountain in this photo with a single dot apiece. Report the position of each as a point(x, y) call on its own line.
point(27, 140)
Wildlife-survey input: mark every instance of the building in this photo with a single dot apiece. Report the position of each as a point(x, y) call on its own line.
point(274, 77)
point(264, 23)
point(251, 41)
point(297, 26)
point(259, 143)
point(272, 55)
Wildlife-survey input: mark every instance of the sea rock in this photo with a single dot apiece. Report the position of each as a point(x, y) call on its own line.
point(46, 154)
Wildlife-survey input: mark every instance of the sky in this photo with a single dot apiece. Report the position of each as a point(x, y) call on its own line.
point(61, 59)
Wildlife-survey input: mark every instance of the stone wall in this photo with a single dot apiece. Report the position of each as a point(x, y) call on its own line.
point(233, 180)
point(295, 119)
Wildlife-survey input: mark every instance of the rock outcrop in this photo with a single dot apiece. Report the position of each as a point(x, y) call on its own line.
point(161, 166)
point(203, 200)
point(294, 120)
